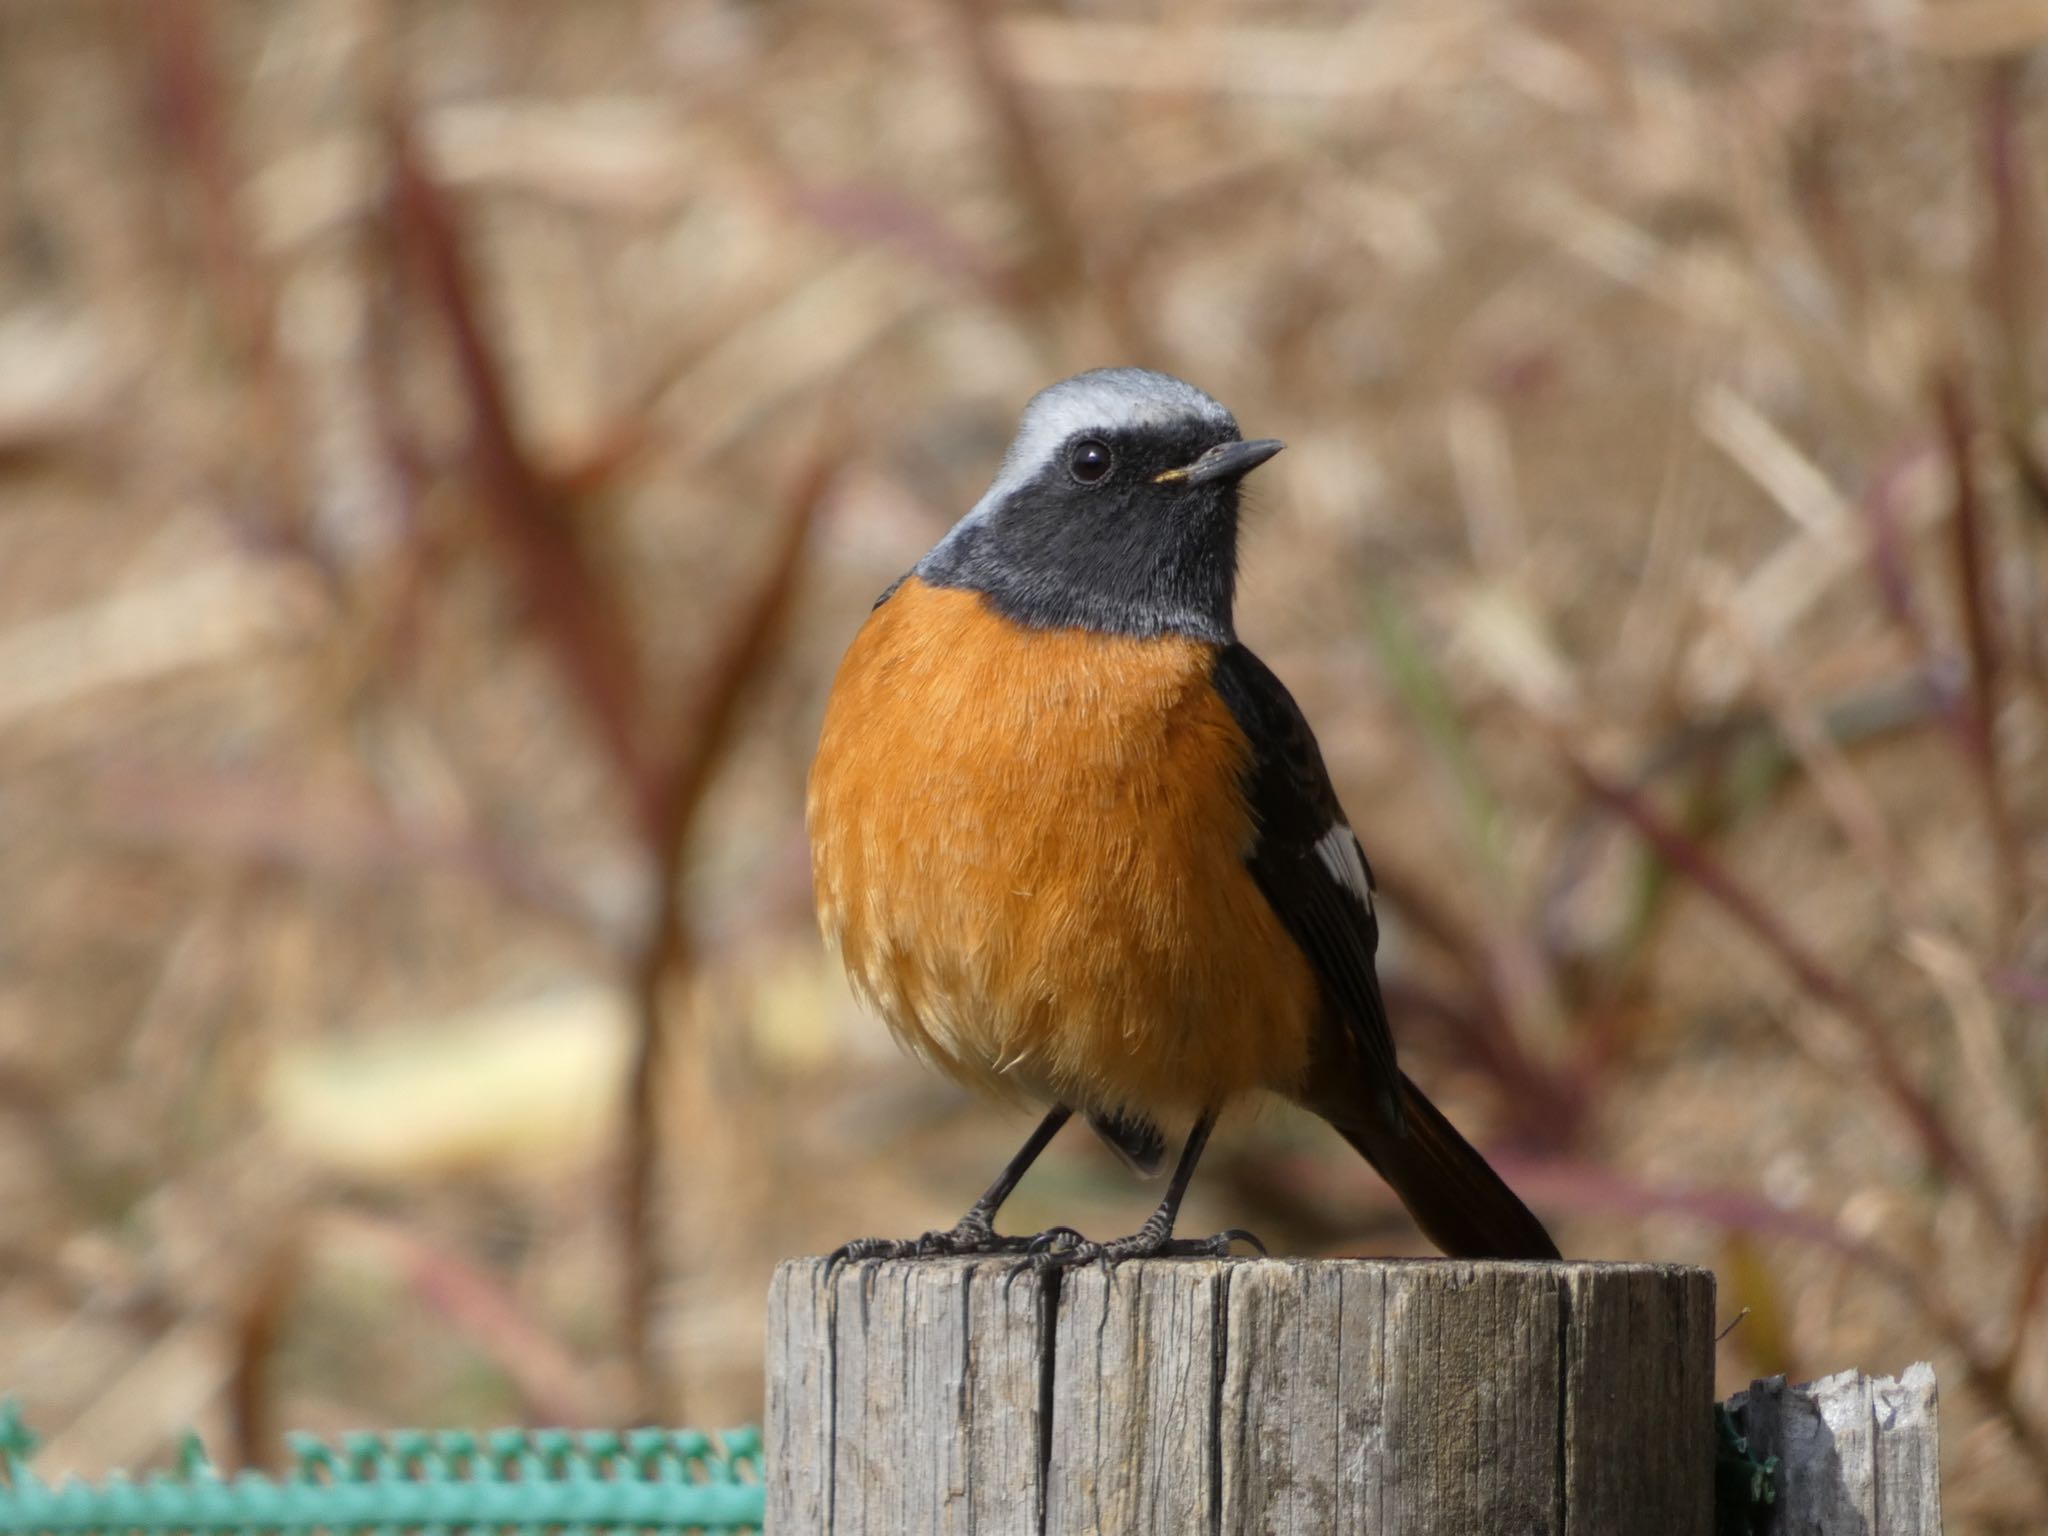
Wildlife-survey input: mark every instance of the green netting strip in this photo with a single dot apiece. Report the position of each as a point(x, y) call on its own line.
point(529, 1480)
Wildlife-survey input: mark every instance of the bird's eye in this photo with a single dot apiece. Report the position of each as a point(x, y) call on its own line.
point(1088, 461)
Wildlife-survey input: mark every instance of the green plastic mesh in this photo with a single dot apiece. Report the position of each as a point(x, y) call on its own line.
point(552, 1480)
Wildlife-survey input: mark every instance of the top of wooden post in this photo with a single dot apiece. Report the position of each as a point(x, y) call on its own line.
point(1396, 1395)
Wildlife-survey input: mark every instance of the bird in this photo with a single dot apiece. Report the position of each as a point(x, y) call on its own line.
point(1077, 846)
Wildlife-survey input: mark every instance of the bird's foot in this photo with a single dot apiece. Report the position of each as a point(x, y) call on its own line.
point(973, 1237)
point(1064, 1248)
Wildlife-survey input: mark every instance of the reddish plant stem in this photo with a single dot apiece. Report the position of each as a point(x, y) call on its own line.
point(2011, 263)
point(1819, 981)
point(1057, 269)
point(554, 572)
point(264, 1307)
point(1978, 600)
point(747, 648)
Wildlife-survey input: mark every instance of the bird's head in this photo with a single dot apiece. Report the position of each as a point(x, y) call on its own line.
point(1115, 510)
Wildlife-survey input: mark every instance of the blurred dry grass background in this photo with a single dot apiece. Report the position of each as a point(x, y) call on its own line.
point(444, 449)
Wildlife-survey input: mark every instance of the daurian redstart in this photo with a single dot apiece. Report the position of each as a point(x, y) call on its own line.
point(1077, 846)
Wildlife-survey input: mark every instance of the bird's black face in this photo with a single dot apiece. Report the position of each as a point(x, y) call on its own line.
point(1116, 511)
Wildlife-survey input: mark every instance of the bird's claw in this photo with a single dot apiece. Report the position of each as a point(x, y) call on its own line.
point(1055, 1248)
point(1145, 1243)
point(970, 1239)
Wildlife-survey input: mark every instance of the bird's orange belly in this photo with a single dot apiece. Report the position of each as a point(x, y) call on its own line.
point(1028, 846)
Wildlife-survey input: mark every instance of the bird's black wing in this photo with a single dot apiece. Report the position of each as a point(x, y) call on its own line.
point(1306, 860)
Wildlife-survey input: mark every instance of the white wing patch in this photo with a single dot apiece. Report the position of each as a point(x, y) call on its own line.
point(1338, 850)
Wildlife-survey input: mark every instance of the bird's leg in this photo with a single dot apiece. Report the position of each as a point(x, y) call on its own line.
point(975, 1232)
point(1155, 1239)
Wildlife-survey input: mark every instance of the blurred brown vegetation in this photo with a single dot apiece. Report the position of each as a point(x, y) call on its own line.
point(444, 449)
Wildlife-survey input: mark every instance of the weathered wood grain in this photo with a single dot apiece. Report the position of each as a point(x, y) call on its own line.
point(1134, 1387)
point(1392, 1397)
point(1258, 1396)
point(905, 1397)
point(1857, 1455)
point(1639, 1355)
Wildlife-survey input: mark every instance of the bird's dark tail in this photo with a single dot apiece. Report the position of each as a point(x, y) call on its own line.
point(1460, 1203)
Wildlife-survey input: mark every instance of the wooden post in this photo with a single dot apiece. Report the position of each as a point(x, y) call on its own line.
point(1857, 1455)
point(1279, 1396)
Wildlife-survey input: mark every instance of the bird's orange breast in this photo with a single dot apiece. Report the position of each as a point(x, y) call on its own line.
point(1029, 847)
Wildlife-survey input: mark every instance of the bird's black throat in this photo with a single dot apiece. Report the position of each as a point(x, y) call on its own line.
point(1129, 556)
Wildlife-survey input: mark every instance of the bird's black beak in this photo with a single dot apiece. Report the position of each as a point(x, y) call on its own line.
point(1226, 461)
